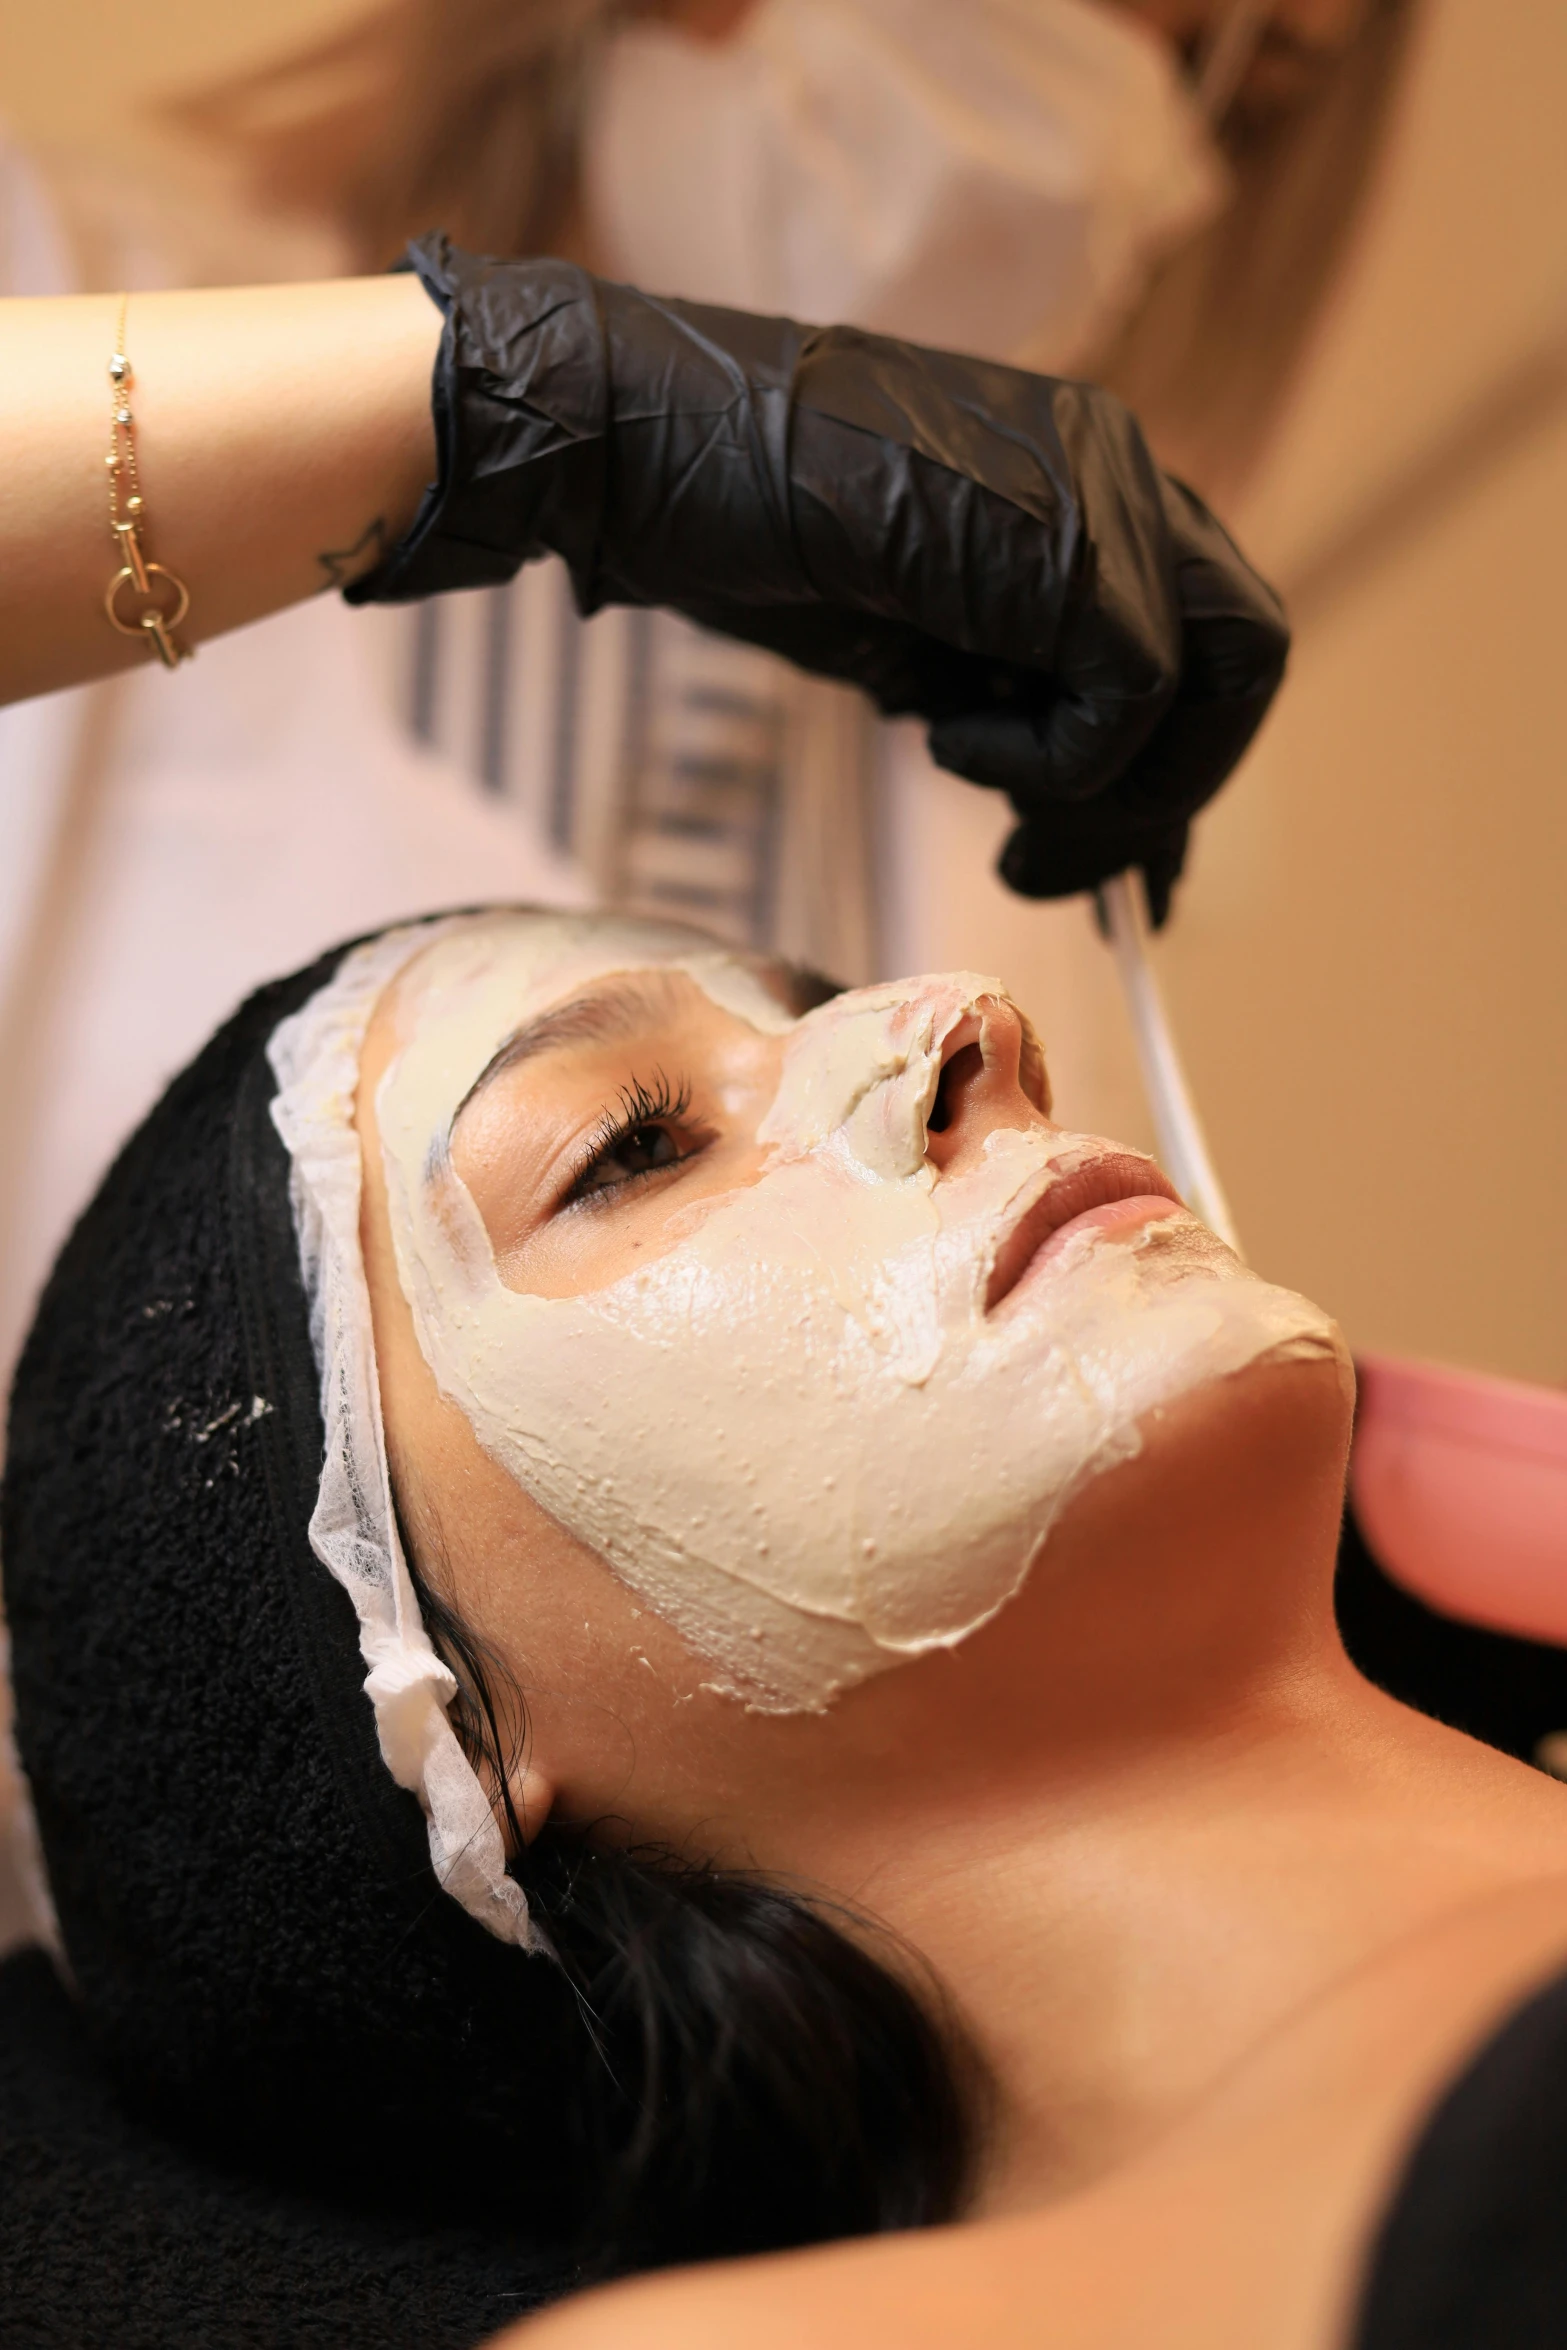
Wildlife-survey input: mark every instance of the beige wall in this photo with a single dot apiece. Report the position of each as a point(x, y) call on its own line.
point(1372, 971)
point(1370, 962)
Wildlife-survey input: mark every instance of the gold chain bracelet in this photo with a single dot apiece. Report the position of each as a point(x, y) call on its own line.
point(164, 604)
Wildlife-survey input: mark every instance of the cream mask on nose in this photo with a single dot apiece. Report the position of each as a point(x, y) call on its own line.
point(798, 1435)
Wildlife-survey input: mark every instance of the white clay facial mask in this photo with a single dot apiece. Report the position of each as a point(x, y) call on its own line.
point(798, 1434)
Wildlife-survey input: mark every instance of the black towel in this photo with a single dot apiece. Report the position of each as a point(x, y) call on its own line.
point(114, 2237)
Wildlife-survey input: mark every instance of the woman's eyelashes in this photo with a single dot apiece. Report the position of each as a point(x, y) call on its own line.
point(647, 1130)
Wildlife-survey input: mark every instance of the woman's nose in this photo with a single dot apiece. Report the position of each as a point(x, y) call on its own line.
point(992, 1075)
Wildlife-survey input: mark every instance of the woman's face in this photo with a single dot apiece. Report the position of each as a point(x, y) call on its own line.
point(808, 1327)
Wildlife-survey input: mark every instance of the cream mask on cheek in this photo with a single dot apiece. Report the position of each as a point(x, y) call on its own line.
point(798, 1435)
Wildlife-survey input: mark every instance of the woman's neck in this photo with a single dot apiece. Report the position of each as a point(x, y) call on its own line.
point(1158, 1813)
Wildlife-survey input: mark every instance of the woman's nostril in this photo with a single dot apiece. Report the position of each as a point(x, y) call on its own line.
point(964, 1065)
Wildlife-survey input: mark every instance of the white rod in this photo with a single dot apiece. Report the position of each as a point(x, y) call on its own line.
point(1182, 1144)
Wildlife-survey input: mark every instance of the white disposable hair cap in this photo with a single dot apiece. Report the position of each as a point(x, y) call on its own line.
point(353, 1528)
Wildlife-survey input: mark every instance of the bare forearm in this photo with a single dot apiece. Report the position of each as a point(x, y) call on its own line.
point(283, 438)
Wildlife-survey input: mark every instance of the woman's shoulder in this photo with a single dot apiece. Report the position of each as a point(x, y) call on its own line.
point(1390, 2170)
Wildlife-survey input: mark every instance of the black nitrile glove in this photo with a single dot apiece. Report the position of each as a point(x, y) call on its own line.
point(992, 551)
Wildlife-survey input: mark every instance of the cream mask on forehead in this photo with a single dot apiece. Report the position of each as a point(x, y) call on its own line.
point(798, 1435)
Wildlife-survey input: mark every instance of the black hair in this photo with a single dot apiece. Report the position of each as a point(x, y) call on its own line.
point(747, 2076)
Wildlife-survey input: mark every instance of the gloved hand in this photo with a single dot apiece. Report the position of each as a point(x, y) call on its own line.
point(992, 551)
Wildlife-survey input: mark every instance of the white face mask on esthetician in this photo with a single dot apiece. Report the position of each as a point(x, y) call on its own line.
point(977, 174)
point(799, 1435)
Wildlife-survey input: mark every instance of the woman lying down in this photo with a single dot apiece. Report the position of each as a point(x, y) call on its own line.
point(655, 1623)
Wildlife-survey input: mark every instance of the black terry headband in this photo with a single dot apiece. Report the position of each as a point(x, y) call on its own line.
point(261, 1960)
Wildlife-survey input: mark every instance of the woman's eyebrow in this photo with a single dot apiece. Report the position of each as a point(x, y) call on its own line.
point(601, 1014)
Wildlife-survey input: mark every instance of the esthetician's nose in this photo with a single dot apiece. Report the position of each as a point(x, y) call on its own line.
point(992, 1075)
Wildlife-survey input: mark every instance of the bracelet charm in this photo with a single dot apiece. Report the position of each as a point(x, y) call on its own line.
point(143, 599)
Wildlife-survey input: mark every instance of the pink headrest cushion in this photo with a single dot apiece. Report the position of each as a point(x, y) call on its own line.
point(1460, 1488)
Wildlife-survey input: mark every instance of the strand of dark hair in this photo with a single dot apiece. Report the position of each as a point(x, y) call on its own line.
point(749, 2076)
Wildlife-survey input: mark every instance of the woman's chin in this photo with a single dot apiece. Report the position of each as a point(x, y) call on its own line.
point(1256, 1438)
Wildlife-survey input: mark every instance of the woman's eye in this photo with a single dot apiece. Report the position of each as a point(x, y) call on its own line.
point(638, 1151)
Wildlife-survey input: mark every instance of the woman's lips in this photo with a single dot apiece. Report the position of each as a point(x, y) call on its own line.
point(1117, 1192)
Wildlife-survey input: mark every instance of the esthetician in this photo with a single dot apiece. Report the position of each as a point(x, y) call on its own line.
point(655, 1623)
point(992, 551)
point(999, 180)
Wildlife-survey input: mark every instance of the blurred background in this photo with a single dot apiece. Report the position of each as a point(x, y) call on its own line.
point(1352, 336)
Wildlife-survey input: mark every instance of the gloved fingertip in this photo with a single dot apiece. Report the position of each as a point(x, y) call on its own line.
point(1019, 865)
point(1160, 875)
